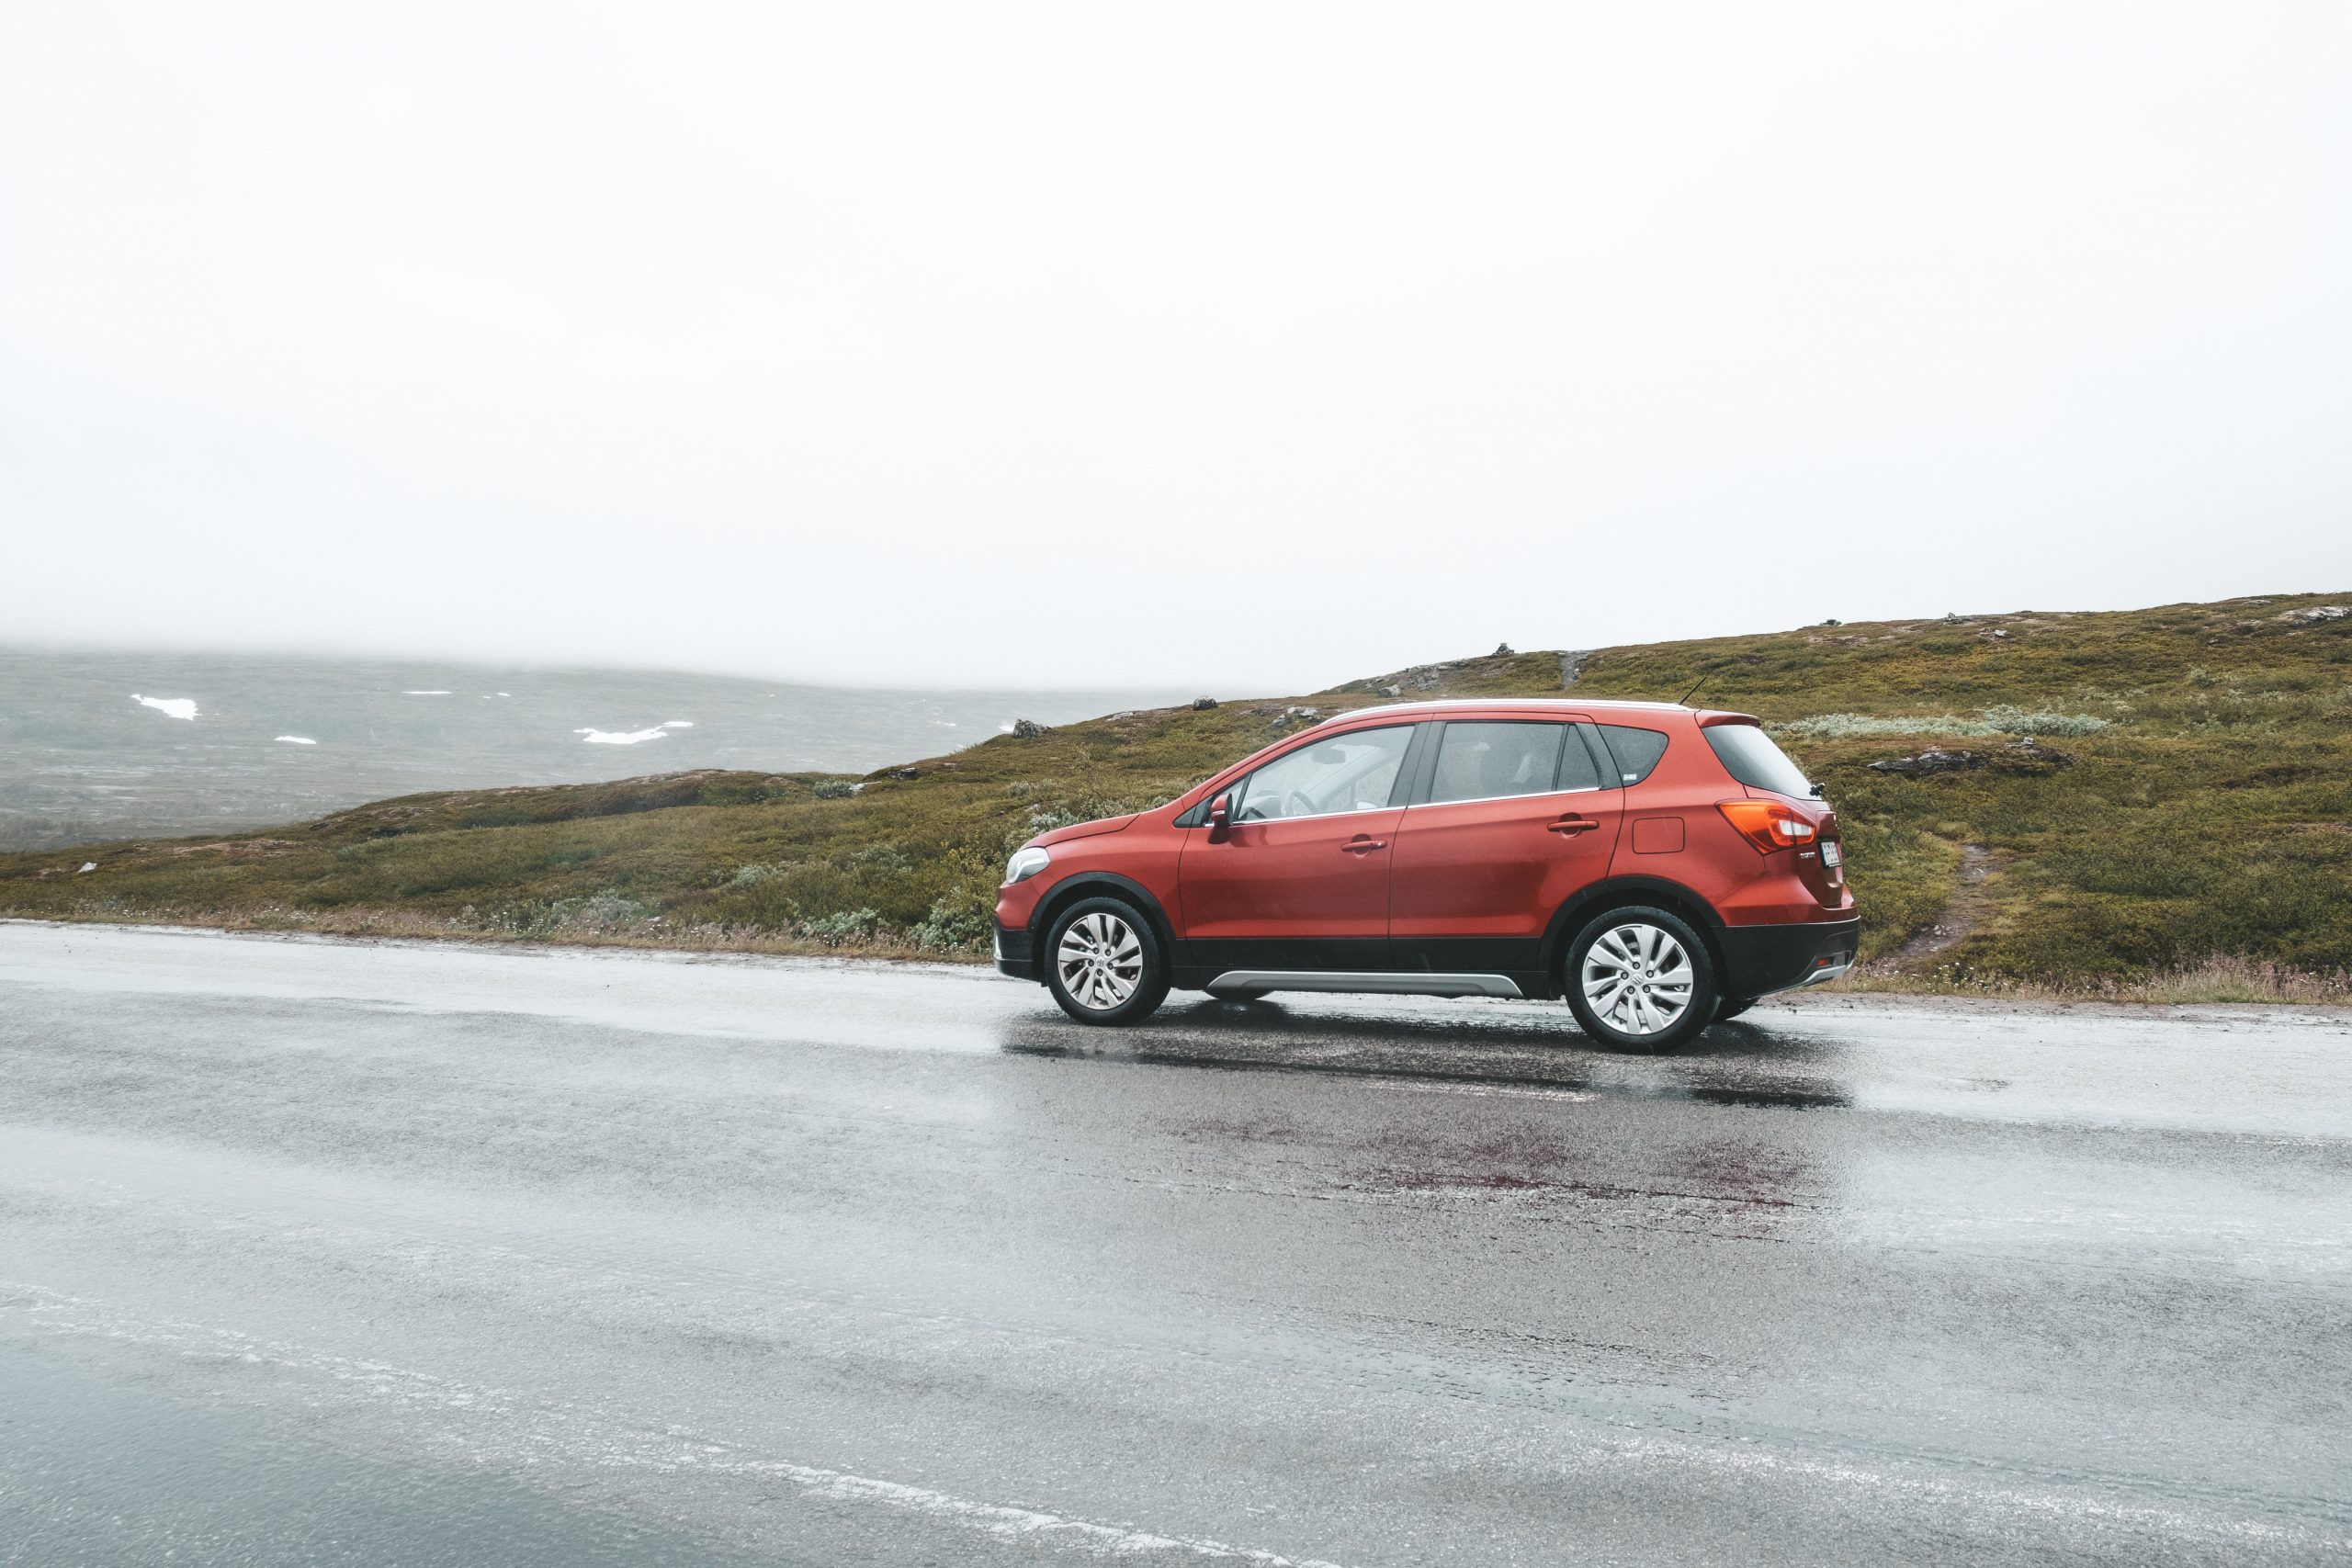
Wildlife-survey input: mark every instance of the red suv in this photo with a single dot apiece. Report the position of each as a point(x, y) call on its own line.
point(1661, 867)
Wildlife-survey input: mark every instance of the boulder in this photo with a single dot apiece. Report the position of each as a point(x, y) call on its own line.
point(2025, 755)
point(1935, 759)
point(1027, 729)
point(1202, 704)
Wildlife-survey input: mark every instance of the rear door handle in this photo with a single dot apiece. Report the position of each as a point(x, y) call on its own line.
point(1573, 825)
point(1360, 845)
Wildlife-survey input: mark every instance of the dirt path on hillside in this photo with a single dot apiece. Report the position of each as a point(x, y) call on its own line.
point(1962, 913)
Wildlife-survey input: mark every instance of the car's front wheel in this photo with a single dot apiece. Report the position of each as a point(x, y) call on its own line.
point(1104, 963)
point(1641, 979)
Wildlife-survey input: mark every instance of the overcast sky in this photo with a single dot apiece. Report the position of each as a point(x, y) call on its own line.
point(1251, 345)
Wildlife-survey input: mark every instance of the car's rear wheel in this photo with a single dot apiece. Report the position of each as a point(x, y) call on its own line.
point(1104, 962)
point(1641, 979)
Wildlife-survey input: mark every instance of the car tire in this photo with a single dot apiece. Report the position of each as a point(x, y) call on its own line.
point(1639, 978)
point(1104, 962)
point(1733, 1006)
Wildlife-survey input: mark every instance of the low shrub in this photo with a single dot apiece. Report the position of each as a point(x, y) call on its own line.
point(1998, 720)
point(957, 924)
point(1853, 726)
point(843, 927)
point(2007, 720)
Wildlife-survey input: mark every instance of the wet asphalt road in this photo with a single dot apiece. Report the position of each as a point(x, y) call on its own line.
point(322, 1253)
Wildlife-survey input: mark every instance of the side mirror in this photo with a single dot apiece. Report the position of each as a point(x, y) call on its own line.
point(1220, 814)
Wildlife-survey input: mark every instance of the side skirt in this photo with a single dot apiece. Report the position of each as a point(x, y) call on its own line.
point(1236, 983)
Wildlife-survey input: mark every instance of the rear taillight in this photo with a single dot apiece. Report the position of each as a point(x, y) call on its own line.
point(1766, 825)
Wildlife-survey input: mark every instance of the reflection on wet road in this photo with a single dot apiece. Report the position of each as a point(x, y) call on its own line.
point(316, 1252)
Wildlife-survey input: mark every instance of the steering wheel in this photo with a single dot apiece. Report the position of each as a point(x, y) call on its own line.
point(1296, 804)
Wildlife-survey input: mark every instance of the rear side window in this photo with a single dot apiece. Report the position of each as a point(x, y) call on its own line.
point(1637, 750)
point(1489, 762)
point(1749, 755)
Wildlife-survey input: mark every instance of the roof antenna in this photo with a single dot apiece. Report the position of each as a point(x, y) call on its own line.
point(1684, 700)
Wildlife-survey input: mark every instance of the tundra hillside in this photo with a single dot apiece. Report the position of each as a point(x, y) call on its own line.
point(2150, 803)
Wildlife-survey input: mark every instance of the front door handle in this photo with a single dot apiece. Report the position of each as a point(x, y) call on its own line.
point(1572, 825)
point(1363, 845)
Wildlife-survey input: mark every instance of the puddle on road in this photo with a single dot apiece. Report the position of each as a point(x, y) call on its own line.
point(1473, 1069)
point(2045, 1069)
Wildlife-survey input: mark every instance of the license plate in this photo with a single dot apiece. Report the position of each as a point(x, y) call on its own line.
point(1831, 854)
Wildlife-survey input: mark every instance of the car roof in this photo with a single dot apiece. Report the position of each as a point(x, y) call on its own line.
point(1437, 708)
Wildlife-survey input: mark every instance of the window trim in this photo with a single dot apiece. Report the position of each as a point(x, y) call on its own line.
point(1490, 799)
point(1420, 768)
point(1317, 816)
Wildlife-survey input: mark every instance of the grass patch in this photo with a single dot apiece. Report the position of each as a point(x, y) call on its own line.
point(2195, 846)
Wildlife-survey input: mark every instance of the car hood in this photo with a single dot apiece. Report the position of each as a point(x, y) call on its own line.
point(1084, 830)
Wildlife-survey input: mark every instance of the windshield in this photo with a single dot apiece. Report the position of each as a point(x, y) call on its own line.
point(1749, 756)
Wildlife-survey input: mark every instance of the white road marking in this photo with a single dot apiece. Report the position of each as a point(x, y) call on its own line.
point(604, 1442)
point(593, 1439)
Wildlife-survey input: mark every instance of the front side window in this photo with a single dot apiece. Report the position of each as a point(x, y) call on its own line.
point(1491, 762)
point(1354, 772)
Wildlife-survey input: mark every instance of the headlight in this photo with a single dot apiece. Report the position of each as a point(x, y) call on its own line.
point(1024, 864)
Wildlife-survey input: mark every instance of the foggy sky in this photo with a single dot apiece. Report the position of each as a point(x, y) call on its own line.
point(1259, 345)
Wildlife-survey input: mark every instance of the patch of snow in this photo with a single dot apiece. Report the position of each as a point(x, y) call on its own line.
point(617, 737)
point(424, 693)
point(678, 724)
point(170, 707)
point(1004, 729)
point(87, 866)
point(298, 740)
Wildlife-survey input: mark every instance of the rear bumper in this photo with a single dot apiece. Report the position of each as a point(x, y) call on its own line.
point(1761, 959)
point(1016, 952)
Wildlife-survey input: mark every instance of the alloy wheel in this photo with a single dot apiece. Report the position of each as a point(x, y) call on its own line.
point(1100, 961)
point(1638, 978)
